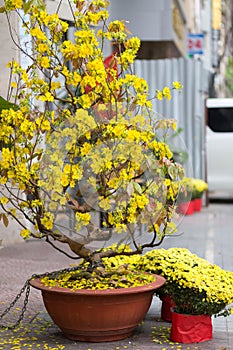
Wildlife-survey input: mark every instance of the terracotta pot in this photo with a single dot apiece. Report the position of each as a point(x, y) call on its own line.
point(98, 315)
point(191, 328)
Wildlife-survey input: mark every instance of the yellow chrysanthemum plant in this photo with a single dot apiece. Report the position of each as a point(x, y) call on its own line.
point(186, 189)
point(84, 159)
point(199, 187)
point(191, 188)
point(195, 285)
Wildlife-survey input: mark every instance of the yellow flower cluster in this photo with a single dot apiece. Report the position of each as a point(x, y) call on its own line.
point(82, 219)
point(25, 233)
point(47, 220)
point(191, 188)
point(199, 187)
point(161, 150)
point(196, 286)
point(13, 5)
point(111, 278)
point(166, 92)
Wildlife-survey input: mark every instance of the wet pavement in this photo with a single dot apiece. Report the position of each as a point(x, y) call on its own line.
point(208, 234)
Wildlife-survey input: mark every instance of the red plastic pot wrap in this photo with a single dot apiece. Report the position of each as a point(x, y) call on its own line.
point(167, 305)
point(197, 204)
point(186, 208)
point(191, 328)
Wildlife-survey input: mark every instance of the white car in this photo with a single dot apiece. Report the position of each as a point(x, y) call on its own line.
point(219, 146)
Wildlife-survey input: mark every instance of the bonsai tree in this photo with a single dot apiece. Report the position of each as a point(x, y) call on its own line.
point(83, 158)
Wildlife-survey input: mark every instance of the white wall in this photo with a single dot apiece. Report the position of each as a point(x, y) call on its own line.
point(7, 51)
point(145, 18)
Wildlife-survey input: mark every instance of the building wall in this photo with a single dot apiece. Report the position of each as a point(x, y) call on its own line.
point(186, 107)
point(64, 8)
point(160, 25)
point(144, 18)
point(7, 51)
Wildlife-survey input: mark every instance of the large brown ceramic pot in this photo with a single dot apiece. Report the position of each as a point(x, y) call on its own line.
point(98, 315)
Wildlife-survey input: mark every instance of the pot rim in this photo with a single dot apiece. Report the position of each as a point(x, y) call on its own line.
point(177, 314)
point(36, 283)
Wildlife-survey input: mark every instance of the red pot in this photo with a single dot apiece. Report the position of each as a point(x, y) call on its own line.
point(186, 208)
point(166, 309)
point(197, 204)
point(98, 315)
point(191, 328)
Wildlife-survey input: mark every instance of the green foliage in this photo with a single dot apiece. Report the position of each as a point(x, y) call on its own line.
point(4, 104)
point(229, 75)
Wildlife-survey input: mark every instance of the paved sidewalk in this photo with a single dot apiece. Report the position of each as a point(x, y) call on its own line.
point(208, 234)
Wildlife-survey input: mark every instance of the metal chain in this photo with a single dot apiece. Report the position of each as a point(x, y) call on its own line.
point(26, 287)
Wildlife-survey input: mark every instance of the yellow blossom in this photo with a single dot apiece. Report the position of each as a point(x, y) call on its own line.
point(38, 33)
point(167, 92)
point(44, 62)
point(4, 200)
point(47, 220)
point(177, 85)
point(159, 95)
point(25, 233)
point(13, 4)
point(46, 97)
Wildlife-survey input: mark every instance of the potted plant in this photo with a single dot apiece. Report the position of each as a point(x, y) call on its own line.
point(198, 290)
point(190, 197)
point(185, 204)
point(199, 187)
point(85, 162)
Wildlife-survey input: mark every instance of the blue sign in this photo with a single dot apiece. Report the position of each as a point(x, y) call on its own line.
point(195, 44)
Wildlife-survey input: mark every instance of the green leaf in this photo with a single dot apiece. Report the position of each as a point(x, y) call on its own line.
point(27, 6)
point(41, 4)
point(137, 187)
point(2, 9)
point(172, 171)
point(4, 104)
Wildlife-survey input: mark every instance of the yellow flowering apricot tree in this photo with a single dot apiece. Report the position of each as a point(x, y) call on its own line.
point(83, 157)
